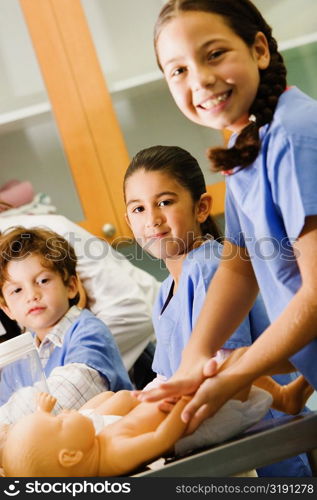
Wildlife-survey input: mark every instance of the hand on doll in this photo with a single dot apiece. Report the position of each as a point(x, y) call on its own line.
point(171, 391)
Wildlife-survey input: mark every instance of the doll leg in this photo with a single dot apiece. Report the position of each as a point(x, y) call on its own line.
point(97, 400)
point(290, 398)
point(120, 403)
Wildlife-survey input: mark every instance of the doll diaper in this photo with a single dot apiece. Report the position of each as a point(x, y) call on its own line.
point(100, 421)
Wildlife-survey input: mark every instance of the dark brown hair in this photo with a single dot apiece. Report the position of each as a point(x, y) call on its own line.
point(181, 166)
point(246, 21)
point(54, 251)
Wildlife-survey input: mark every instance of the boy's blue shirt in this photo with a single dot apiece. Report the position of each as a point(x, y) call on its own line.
point(88, 341)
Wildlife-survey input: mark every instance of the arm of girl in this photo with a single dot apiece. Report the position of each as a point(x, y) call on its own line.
point(292, 330)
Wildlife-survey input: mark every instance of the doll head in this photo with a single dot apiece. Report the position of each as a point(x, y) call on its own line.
point(222, 66)
point(45, 445)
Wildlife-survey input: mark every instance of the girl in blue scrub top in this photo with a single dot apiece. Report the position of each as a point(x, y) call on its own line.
point(168, 210)
point(223, 69)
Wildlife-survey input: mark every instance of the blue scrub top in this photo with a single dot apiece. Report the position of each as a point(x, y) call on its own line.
point(267, 203)
point(174, 326)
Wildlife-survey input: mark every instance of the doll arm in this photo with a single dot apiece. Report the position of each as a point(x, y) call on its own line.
point(131, 452)
point(121, 403)
point(172, 428)
point(45, 402)
point(96, 401)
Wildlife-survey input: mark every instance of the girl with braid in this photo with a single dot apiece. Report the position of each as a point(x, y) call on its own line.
point(223, 69)
point(168, 210)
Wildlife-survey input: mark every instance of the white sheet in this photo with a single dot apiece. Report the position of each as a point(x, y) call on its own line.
point(233, 418)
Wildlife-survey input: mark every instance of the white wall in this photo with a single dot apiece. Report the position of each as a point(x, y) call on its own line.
point(289, 18)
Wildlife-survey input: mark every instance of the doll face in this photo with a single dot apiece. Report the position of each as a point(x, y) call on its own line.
point(43, 444)
point(212, 74)
point(162, 215)
point(74, 427)
point(69, 429)
point(36, 296)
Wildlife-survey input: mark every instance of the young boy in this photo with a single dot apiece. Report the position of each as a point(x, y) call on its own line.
point(39, 290)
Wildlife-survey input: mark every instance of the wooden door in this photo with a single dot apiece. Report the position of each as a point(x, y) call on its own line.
point(89, 130)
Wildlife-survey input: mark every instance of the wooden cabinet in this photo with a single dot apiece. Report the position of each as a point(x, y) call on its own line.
point(73, 115)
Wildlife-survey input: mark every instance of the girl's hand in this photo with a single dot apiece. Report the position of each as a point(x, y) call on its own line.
point(212, 394)
point(166, 405)
point(180, 384)
point(174, 388)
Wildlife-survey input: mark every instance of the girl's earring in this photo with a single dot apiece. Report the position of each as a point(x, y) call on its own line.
point(252, 118)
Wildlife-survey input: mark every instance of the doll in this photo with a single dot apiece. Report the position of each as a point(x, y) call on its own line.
point(66, 445)
point(131, 433)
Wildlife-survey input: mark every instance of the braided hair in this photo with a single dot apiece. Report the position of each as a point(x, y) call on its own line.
point(246, 21)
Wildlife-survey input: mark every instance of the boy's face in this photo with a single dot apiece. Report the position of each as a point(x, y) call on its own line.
point(36, 296)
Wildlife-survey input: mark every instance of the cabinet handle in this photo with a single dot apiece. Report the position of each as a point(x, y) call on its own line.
point(109, 230)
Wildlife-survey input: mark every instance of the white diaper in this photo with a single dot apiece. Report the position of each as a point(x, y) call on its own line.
point(233, 418)
point(99, 421)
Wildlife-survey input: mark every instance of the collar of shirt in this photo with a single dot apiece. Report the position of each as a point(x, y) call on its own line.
point(55, 336)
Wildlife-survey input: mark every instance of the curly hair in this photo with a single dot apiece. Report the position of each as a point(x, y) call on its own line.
point(17, 243)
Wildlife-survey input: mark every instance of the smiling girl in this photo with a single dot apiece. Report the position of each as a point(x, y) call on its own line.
point(223, 69)
point(168, 210)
